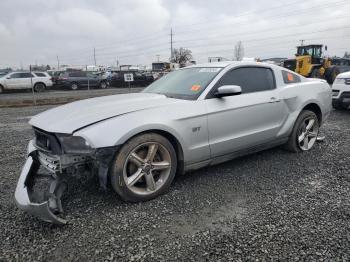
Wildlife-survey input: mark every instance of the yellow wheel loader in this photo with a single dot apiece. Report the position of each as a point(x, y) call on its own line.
point(310, 63)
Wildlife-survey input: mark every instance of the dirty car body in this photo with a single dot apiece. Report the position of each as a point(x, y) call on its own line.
point(216, 117)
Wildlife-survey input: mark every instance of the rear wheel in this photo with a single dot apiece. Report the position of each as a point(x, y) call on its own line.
point(39, 87)
point(315, 73)
point(304, 133)
point(144, 168)
point(74, 86)
point(331, 74)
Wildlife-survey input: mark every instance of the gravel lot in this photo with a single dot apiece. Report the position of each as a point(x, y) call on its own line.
point(273, 205)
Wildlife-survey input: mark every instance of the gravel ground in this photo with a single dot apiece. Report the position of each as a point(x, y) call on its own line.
point(273, 205)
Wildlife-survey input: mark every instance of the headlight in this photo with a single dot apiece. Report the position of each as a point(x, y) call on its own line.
point(339, 81)
point(74, 144)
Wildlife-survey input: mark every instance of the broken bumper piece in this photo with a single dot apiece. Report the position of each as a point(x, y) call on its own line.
point(45, 204)
point(47, 209)
point(40, 210)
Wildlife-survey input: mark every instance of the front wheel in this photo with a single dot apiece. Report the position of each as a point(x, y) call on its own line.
point(304, 133)
point(103, 85)
point(144, 168)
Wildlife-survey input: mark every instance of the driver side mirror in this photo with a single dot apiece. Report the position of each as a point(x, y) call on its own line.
point(8, 77)
point(228, 90)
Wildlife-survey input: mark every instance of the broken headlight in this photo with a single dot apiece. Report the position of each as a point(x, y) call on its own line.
point(74, 144)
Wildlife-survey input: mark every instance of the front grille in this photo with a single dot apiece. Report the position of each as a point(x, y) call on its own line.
point(335, 92)
point(47, 141)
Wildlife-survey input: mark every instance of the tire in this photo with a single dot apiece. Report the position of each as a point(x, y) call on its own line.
point(74, 86)
point(103, 85)
point(134, 160)
point(337, 106)
point(39, 87)
point(331, 73)
point(300, 128)
point(315, 73)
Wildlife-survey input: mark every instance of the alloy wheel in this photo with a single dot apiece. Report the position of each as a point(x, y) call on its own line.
point(147, 168)
point(307, 133)
point(74, 86)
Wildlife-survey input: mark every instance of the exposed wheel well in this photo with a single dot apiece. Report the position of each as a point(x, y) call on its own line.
point(40, 83)
point(316, 109)
point(175, 143)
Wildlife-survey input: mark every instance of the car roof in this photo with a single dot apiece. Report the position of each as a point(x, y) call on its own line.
point(234, 63)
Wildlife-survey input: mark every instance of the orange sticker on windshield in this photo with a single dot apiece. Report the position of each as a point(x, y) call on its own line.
point(290, 77)
point(195, 88)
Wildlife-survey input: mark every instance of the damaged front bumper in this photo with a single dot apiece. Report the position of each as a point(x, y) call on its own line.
point(47, 209)
point(40, 210)
point(58, 167)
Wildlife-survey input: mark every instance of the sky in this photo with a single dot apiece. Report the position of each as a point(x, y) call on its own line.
point(138, 31)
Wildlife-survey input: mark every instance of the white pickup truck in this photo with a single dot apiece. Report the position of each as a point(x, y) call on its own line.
point(25, 80)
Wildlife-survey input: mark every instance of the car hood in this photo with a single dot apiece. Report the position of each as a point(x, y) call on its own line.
point(73, 116)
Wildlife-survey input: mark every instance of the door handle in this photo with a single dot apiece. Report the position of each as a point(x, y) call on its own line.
point(274, 100)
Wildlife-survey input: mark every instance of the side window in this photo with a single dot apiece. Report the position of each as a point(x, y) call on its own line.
point(38, 74)
point(77, 74)
point(250, 79)
point(26, 75)
point(290, 78)
point(15, 75)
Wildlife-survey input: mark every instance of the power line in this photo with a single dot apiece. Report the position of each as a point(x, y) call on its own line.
point(269, 30)
point(191, 31)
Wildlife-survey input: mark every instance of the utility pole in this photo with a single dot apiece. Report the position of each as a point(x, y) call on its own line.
point(95, 55)
point(302, 42)
point(58, 63)
point(171, 44)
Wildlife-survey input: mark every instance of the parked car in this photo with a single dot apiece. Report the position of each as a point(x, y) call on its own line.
point(341, 91)
point(78, 79)
point(190, 118)
point(25, 80)
point(140, 79)
point(55, 75)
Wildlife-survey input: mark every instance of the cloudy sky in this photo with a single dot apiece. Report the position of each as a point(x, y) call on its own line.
point(136, 31)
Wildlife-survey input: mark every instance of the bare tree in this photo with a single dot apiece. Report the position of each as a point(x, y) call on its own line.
point(181, 56)
point(239, 51)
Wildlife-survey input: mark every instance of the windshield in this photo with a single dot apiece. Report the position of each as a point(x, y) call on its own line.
point(186, 83)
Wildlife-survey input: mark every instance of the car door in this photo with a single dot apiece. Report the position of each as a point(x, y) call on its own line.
point(14, 81)
point(26, 80)
point(246, 120)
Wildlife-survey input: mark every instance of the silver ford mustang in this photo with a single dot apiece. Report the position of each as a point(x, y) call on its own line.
point(191, 118)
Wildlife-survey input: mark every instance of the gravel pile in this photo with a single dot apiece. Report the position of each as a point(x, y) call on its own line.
point(271, 205)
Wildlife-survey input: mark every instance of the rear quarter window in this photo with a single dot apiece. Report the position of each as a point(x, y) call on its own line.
point(290, 78)
point(40, 74)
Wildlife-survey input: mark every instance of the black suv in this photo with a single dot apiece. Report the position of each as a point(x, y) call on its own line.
point(79, 79)
point(140, 79)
